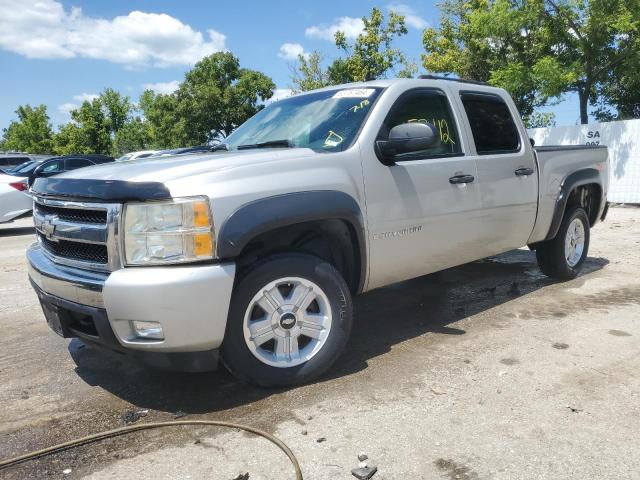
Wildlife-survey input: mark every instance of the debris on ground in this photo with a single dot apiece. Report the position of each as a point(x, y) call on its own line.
point(242, 476)
point(573, 409)
point(362, 457)
point(364, 473)
point(179, 414)
point(321, 439)
point(438, 392)
point(66, 471)
point(560, 346)
point(131, 416)
point(304, 432)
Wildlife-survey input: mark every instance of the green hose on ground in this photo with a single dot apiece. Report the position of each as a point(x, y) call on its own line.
point(148, 426)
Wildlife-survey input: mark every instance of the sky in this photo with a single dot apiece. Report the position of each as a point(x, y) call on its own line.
point(59, 53)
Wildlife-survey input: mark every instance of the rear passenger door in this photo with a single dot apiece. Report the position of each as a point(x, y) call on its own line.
point(506, 168)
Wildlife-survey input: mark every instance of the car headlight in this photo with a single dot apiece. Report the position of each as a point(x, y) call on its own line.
point(176, 231)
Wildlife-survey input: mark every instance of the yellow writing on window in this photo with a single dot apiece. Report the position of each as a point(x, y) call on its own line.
point(441, 125)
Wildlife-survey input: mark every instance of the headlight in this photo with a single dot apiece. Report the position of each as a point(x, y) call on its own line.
point(176, 231)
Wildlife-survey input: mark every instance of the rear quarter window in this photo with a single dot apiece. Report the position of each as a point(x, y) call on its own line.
point(492, 125)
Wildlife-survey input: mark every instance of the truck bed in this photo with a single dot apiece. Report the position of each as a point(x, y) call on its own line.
point(555, 163)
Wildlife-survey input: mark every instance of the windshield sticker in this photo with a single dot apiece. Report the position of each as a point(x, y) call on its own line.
point(354, 93)
point(359, 106)
point(333, 139)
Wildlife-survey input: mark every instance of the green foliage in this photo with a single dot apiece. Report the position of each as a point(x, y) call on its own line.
point(215, 97)
point(308, 74)
point(134, 135)
point(540, 119)
point(369, 57)
point(88, 132)
point(30, 133)
point(536, 49)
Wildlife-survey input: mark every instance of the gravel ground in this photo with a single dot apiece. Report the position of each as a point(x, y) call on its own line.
point(488, 370)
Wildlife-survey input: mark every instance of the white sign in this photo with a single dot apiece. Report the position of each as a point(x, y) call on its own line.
point(623, 141)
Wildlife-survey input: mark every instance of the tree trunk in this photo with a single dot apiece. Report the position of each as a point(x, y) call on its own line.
point(584, 102)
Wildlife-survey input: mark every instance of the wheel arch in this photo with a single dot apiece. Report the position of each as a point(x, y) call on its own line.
point(309, 221)
point(581, 188)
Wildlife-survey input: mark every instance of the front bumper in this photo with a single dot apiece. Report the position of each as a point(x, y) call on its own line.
point(191, 304)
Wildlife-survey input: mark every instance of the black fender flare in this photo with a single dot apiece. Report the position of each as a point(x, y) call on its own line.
point(270, 213)
point(569, 183)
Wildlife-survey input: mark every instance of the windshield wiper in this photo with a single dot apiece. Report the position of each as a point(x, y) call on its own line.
point(220, 146)
point(270, 143)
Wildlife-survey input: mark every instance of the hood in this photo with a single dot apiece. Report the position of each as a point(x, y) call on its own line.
point(171, 168)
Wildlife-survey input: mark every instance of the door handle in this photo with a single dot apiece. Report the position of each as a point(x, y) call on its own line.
point(458, 179)
point(523, 172)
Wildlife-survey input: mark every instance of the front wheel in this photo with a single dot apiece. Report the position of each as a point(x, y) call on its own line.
point(563, 256)
point(289, 320)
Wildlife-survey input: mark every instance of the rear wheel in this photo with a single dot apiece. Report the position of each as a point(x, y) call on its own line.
point(289, 320)
point(563, 256)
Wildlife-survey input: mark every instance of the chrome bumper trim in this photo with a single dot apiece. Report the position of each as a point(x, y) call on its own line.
point(71, 284)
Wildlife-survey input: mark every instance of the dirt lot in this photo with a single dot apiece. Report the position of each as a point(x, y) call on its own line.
point(488, 370)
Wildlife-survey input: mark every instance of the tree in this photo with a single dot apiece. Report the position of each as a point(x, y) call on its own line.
point(592, 38)
point(369, 57)
point(308, 74)
point(88, 131)
point(536, 49)
point(117, 109)
point(30, 133)
point(216, 96)
point(132, 136)
point(619, 93)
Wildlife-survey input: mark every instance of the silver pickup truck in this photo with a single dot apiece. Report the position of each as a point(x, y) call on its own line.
point(253, 252)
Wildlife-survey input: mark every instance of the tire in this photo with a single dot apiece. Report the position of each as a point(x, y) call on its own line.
point(318, 328)
point(555, 257)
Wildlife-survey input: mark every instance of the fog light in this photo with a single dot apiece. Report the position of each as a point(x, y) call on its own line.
point(151, 330)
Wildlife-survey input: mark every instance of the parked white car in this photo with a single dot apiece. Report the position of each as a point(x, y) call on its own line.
point(14, 197)
point(134, 155)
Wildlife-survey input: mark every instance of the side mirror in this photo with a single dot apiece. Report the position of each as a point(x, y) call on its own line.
point(407, 138)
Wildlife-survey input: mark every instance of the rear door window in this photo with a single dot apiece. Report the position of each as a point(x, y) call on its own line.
point(492, 126)
point(73, 163)
point(53, 167)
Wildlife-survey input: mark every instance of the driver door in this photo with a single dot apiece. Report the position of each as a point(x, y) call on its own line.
point(419, 221)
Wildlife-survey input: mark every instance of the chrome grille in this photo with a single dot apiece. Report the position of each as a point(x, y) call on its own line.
point(79, 234)
point(74, 214)
point(86, 252)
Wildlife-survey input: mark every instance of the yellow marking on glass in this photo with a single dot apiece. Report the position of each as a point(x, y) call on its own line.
point(333, 139)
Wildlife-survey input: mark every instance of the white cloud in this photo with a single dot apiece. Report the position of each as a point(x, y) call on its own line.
point(279, 94)
point(162, 87)
point(411, 18)
point(85, 96)
point(351, 27)
point(291, 51)
point(44, 29)
point(67, 107)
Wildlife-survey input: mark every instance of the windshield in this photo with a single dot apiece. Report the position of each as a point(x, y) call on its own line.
point(25, 168)
point(324, 121)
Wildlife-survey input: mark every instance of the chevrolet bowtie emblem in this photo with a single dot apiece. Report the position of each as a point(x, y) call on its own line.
point(48, 228)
